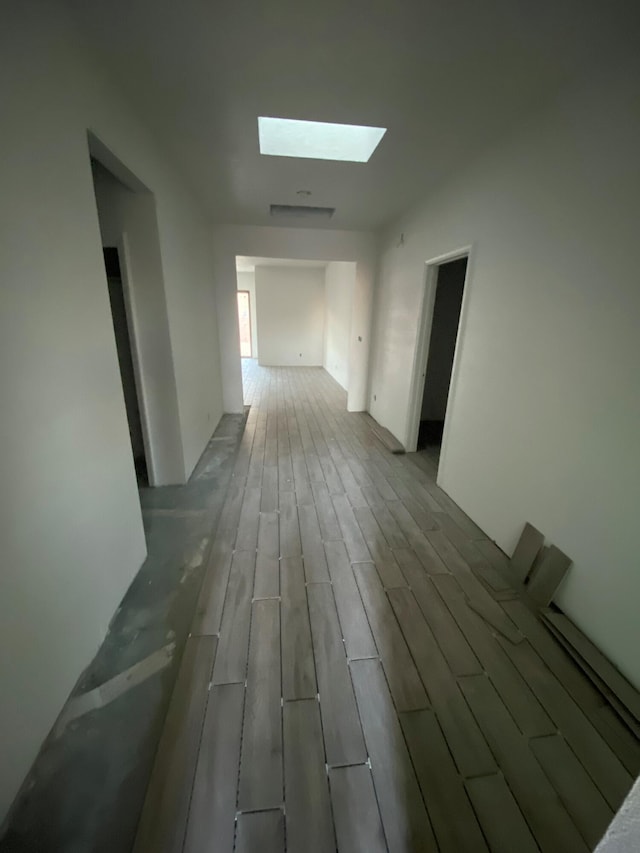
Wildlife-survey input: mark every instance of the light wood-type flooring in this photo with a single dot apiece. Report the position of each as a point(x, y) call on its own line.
point(360, 675)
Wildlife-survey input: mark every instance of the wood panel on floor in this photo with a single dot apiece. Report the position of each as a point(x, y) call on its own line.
point(503, 823)
point(315, 561)
point(605, 768)
point(550, 822)
point(343, 738)
point(441, 785)
point(523, 757)
point(163, 822)
point(355, 811)
point(213, 801)
point(465, 740)
point(298, 667)
point(404, 681)
point(261, 759)
point(308, 808)
point(578, 793)
point(231, 664)
point(260, 831)
point(513, 689)
point(404, 817)
point(356, 633)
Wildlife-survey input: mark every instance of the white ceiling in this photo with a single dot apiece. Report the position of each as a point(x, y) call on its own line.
point(445, 77)
point(244, 264)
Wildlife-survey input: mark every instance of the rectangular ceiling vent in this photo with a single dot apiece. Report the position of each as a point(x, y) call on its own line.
point(301, 211)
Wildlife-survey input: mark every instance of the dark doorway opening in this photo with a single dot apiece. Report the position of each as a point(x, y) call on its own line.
point(125, 361)
point(442, 347)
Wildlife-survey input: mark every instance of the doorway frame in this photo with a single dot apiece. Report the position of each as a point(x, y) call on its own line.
point(128, 292)
point(421, 356)
point(248, 292)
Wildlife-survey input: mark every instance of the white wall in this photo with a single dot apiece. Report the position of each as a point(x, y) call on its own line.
point(70, 520)
point(545, 412)
point(300, 244)
point(290, 304)
point(247, 281)
point(340, 281)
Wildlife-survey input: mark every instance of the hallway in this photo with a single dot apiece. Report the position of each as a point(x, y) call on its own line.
point(339, 691)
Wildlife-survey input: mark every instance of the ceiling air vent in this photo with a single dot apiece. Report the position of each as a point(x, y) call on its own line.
point(301, 211)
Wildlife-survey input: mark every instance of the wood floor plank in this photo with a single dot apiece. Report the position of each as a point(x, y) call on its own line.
point(208, 615)
point(298, 667)
point(355, 810)
point(356, 633)
point(404, 817)
point(418, 541)
point(495, 556)
point(381, 553)
point(466, 742)
point(390, 527)
point(213, 801)
point(580, 796)
point(351, 534)
point(404, 681)
point(261, 779)
point(304, 495)
point(298, 426)
point(503, 823)
point(269, 534)
point(596, 755)
point(163, 821)
point(269, 494)
point(231, 663)
point(514, 691)
point(477, 594)
point(290, 544)
point(455, 647)
point(496, 618)
point(547, 576)
point(526, 551)
point(621, 740)
point(309, 821)
point(554, 656)
point(597, 661)
point(468, 548)
point(267, 579)
point(551, 825)
point(249, 518)
point(441, 785)
point(261, 831)
point(343, 737)
point(315, 561)
point(329, 526)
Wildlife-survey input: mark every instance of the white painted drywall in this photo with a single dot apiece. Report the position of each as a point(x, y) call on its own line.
point(247, 281)
point(623, 834)
point(340, 282)
point(545, 409)
point(301, 244)
point(70, 520)
point(290, 305)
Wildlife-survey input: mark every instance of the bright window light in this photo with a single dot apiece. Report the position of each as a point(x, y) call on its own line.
point(318, 140)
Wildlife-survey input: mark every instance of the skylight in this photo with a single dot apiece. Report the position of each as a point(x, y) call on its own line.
point(317, 140)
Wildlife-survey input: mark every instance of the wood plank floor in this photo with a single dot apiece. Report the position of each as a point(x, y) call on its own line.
point(374, 683)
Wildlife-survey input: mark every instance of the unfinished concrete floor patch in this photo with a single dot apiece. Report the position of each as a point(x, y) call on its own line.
point(105, 693)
